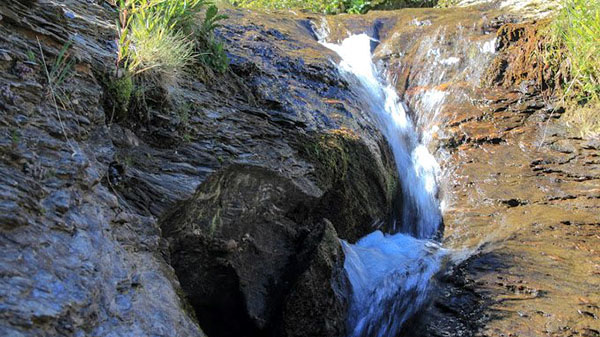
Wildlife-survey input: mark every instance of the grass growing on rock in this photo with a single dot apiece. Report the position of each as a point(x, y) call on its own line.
point(157, 41)
point(575, 45)
point(153, 34)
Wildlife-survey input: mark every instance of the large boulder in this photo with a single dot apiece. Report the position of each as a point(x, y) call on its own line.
point(253, 246)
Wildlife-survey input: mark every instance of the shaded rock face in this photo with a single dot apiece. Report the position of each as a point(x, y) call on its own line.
point(241, 246)
point(318, 304)
point(82, 189)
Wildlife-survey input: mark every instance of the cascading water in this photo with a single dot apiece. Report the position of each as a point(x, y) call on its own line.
point(417, 168)
point(390, 273)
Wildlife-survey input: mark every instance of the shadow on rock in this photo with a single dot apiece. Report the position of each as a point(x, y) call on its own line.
point(248, 263)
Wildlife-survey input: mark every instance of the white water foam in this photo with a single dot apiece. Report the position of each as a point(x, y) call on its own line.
point(390, 277)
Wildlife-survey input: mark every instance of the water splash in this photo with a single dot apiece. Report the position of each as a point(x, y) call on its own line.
point(390, 277)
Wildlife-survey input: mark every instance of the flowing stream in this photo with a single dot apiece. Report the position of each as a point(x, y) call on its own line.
point(390, 273)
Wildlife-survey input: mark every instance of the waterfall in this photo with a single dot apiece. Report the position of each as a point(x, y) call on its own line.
point(390, 273)
point(417, 169)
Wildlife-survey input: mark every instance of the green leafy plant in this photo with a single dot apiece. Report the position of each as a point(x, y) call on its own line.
point(211, 51)
point(212, 19)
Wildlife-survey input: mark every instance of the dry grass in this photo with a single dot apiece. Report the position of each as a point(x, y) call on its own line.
point(584, 121)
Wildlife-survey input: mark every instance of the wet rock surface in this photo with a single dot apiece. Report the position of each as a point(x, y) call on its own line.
point(520, 196)
point(244, 248)
point(530, 200)
point(83, 188)
point(519, 189)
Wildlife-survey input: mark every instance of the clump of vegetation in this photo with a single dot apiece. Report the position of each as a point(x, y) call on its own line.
point(157, 39)
point(446, 3)
point(120, 90)
point(319, 6)
point(154, 34)
point(332, 6)
point(584, 119)
point(574, 46)
point(577, 30)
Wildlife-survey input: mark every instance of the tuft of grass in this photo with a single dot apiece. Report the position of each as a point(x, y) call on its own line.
point(584, 120)
point(159, 49)
point(573, 53)
point(157, 40)
point(154, 34)
point(161, 35)
point(577, 29)
point(56, 75)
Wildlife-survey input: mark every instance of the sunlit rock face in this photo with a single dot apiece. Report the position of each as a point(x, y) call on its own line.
point(440, 62)
point(527, 9)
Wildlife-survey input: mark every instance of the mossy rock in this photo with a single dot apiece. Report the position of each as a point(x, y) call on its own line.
point(358, 190)
point(119, 94)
